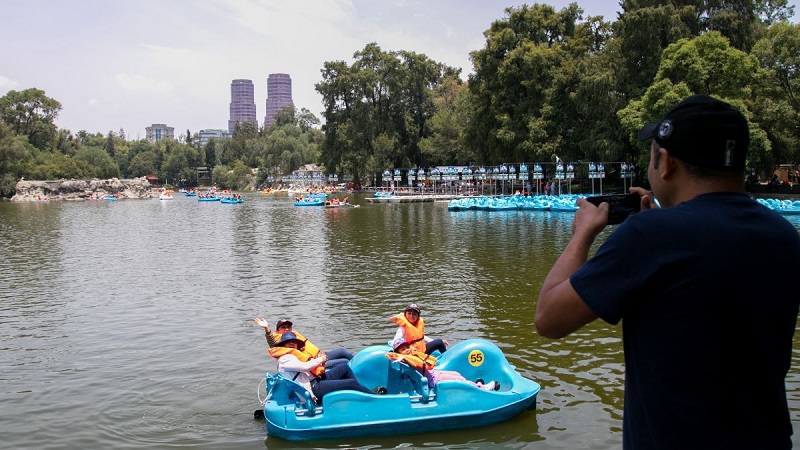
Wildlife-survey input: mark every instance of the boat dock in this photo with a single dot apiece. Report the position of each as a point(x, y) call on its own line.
point(413, 198)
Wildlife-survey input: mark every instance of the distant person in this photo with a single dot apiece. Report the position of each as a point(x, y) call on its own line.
point(707, 337)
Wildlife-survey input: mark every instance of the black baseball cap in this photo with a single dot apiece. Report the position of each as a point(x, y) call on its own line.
point(413, 307)
point(283, 322)
point(702, 131)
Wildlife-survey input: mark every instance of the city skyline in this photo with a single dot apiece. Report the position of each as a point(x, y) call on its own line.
point(96, 59)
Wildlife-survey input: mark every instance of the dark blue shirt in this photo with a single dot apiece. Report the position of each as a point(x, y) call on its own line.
point(705, 291)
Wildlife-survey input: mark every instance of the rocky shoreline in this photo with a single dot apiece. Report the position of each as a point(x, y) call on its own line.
point(32, 191)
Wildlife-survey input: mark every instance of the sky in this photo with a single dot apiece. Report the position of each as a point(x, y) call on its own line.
point(116, 64)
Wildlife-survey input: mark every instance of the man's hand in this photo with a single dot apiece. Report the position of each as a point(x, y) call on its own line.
point(645, 195)
point(589, 220)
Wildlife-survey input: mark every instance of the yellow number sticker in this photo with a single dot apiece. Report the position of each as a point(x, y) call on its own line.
point(476, 358)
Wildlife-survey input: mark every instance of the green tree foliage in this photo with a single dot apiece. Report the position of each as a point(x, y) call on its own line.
point(97, 163)
point(236, 176)
point(178, 161)
point(447, 142)
point(543, 87)
point(383, 94)
point(31, 113)
point(143, 164)
point(776, 103)
point(210, 151)
point(15, 157)
point(703, 65)
point(66, 143)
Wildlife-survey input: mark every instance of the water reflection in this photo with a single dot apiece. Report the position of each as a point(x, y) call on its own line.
point(129, 324)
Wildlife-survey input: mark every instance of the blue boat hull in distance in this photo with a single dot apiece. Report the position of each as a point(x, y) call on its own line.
point(232, 201)
point(310, 202)
point(208, 199)
point(410, 406)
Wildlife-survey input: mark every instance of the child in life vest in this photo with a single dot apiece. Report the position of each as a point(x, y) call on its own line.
point(425, 363)
point(411, 330)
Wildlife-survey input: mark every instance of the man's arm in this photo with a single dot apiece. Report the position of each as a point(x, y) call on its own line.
point(560, 310)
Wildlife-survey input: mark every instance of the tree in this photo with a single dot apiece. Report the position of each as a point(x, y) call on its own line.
point(703, 65)
point(110, 144)
point(306, 120)
point(448, 125)
point(526, 55)
point(776, 100)
point(143, 164)
point(383, 95)
point(97, 162)
point(31, 113)
point(15, 157)
point(180, 163)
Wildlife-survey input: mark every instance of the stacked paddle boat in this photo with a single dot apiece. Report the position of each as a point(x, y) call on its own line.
point(786, 207)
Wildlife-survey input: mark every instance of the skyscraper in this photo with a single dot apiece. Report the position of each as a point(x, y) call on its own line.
point(243, 105)
point(279, 95)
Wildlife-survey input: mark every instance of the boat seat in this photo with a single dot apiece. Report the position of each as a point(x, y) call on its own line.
point(412, 382)
point(284, 391)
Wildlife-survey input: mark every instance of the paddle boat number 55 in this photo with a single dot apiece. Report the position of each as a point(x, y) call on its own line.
point(476, 358)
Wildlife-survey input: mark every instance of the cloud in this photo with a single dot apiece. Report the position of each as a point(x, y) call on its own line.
point(7, 84)
point(142, 83)
point(94, 102)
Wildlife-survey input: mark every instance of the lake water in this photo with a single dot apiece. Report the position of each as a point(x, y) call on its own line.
point(129, 324)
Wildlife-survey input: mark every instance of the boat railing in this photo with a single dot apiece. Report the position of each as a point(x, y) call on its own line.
point(422, 398)
point(308, 412)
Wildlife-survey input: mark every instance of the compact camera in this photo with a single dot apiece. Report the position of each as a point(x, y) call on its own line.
point(620, 206)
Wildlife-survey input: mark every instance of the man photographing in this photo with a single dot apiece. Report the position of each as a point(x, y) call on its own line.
point(707, 337)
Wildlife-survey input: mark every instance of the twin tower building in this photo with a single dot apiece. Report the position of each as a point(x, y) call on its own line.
point(243, 106)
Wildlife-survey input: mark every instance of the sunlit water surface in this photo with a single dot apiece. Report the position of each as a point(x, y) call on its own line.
point(128, 324)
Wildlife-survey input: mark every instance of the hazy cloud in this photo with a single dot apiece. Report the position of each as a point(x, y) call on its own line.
point(7, 84)
point(142, 83)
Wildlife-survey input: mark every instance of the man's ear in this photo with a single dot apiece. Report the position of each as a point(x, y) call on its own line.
point(665, 164)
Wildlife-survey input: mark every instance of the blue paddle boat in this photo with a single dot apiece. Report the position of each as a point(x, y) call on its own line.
point(212, 198)
point(310, 202)
point(231, 200)
point(410, 405)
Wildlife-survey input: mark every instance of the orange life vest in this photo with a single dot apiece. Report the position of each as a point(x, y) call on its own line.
point(309, 348)
point(418, 360)
point(277, 352)
point(415, 334)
